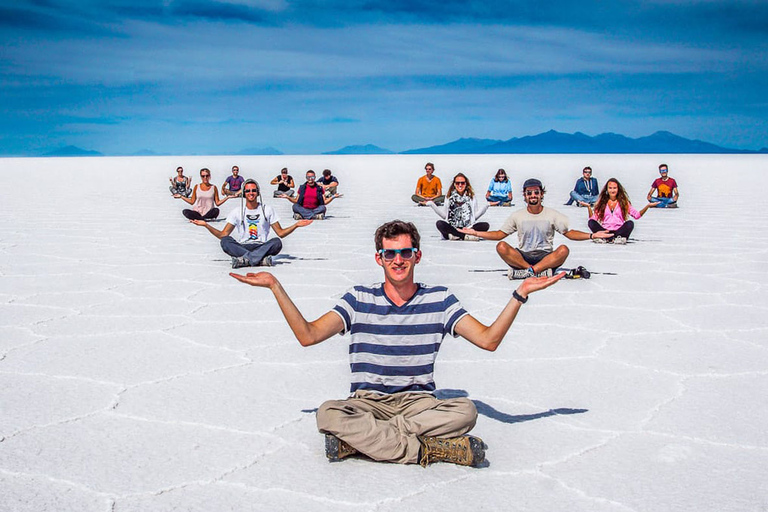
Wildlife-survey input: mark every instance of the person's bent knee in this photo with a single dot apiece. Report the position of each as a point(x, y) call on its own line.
point(328, 415)
point(503, 248)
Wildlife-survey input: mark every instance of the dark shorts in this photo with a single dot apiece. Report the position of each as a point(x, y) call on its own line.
point(533, 257)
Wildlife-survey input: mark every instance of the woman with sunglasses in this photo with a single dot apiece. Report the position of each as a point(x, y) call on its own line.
point(612, 210)
point(500, 190)
point(204, 199)
point(460, 210)
point(251, 224)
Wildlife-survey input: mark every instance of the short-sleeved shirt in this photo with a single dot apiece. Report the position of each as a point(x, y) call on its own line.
point(665, 188)
point(429, 188)
point(393, 348)
point(234, 183)
point(536, 232)
point(254, 225)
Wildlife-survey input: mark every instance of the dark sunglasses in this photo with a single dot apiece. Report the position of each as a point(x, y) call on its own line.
point(459, 182)
point(534, 192)
point(389, 254)
point(251, 191)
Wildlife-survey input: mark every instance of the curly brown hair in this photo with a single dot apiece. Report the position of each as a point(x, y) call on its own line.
point(602, 200)
point(395, 228)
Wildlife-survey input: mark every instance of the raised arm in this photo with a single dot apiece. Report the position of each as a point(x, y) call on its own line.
point(308, 333)
point(575, 234)
point(488, 235)
point(328, 199)
point(218, 233)
point(284, 232)
point(191, 199)
point(216, 199)
point(441, 211)
point(488, 337)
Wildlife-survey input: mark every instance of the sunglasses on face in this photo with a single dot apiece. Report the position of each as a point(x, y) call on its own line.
point(389, 254)
point(310, 177)
point(535, 192)
point(251, 191)
point(205, 175)
point(459, 182)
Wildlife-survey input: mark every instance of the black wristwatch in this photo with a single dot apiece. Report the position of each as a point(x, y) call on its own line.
point(519, 297)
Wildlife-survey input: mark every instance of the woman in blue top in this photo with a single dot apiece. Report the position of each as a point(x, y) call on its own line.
point(500, 190)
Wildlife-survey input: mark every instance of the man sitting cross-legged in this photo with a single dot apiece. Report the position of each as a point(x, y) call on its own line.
point(253, 222)
point(396, 329)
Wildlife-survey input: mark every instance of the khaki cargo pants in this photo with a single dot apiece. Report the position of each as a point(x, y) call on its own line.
point(386, 427)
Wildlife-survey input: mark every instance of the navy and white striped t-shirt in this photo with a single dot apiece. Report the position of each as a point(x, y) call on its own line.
point(393, 349)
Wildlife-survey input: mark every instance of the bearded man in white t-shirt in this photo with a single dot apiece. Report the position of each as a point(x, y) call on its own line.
point(252, 223)
point(535, 227)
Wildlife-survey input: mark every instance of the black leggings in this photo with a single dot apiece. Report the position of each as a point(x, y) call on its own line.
point(446, 229)
point(624, 230)
point(193, 215)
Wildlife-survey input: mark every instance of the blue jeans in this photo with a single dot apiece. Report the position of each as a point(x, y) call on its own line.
point(578, 197)
point(498, 199)
point(663, 201)
point(253, 251)
point(306, 213)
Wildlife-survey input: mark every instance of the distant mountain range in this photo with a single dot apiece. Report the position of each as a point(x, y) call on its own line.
point(72, 151)
point(367, 149)
point(551, 142)
point(269, 150)
point(557, 142)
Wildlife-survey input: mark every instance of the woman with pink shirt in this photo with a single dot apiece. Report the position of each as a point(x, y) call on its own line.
point(611, 212)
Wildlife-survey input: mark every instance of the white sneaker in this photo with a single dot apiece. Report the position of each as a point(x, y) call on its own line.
point(319, 216)
point(453, 237)
point(545, 273)
point(297, 216)
point(599, 241)
point(266, 261)
point(471, 238)
point(620, 240)
point(519, 273)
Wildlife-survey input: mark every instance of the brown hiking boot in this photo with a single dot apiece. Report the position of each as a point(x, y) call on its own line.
point(463, 450)
point(336, 449)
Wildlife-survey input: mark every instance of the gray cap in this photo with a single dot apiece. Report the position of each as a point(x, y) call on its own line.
point(532, 182)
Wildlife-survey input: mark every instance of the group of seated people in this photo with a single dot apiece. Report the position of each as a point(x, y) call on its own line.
point(430, 188)
point(308, 203)
point(609, 212)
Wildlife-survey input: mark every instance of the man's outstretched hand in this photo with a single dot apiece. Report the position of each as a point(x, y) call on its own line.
point(534, 284)
point(262, 279)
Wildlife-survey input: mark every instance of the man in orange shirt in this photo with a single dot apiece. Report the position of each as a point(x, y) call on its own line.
point(429, 188)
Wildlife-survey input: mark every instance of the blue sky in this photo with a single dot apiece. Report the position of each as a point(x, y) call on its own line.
point(198, 76)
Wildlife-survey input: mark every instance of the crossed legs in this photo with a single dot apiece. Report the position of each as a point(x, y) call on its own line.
point(387, 427)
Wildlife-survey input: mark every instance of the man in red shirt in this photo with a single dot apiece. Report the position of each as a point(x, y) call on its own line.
point(666, 188)
point(310, 202)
